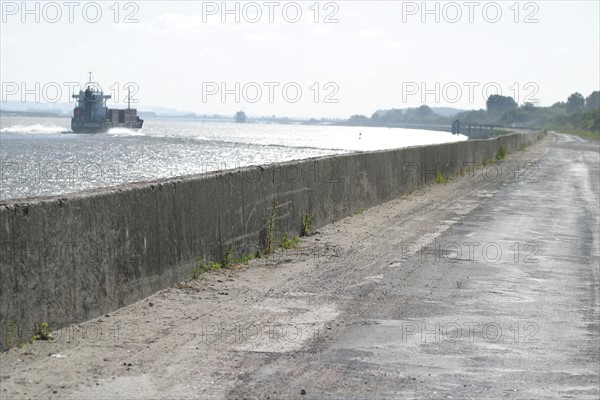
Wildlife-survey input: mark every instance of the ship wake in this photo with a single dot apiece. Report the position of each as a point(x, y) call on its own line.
point(124, 132)
point(33, 129)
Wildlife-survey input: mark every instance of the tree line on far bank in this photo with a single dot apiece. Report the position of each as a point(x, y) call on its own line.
point(578, 114)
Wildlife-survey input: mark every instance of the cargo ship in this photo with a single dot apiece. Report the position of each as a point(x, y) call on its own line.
point(92, 116)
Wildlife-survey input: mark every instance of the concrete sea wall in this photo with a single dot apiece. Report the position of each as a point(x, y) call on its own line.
point(70, 258)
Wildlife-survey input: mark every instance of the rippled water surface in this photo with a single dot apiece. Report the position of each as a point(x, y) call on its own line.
point(40, 156)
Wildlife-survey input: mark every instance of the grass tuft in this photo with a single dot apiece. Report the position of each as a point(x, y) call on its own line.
point(289, 243)
point(501, 153)
point(42, 332)
point(306, 229)
point(204, 265)
point(270, 229)
point(440, 178)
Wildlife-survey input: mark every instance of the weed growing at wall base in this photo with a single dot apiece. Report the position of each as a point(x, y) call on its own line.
point(306, 225)
point(42, 332)
point(203, 265)
point(288, 243)
point(270, 228)
point(501, 153)
point(440, 178)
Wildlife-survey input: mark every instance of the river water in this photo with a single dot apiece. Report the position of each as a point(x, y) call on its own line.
point(40, 156)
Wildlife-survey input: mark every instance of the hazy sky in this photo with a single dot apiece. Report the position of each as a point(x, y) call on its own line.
point(346, 57)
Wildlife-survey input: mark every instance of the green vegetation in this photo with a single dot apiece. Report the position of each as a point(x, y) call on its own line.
point(42, 332)
point(270, 229)
point(487, 161)
point(204, 265)
point(440, 178)
point(11, 334)
point(578, 132)
point(577, 115)
point(497, 105)
point(244, 259)
point(585, 123)
point(306, 228)
point(258, 253)
point(288, 243)
point(227, 258)
point(212, 266)
point(197, 268)
point(360, 211)
point(501, 153)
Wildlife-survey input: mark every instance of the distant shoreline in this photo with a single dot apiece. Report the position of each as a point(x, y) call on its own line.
point(10, 113)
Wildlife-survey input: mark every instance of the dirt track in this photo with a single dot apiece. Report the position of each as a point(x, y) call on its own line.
point(408, 299)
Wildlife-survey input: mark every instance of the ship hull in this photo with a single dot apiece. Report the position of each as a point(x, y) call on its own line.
point(78, 126)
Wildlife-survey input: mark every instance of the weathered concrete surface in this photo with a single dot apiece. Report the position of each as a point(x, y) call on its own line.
point(518, 319)
point(373, 305)
point(75, 257)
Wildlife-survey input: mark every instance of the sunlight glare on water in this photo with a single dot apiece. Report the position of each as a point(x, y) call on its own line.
point(41, 156)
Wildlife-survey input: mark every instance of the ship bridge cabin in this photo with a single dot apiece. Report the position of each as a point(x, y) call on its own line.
point(91, 104)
